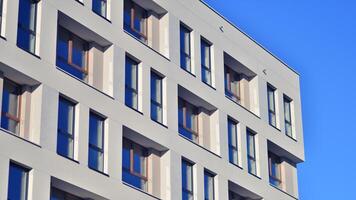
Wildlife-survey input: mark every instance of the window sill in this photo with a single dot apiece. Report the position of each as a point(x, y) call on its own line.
point(165, 126)
point(80, 2)
point(21, 138)
point(138, 189)
point(33, 54)
point(106, 19)
point(283, 191)
point(254, 175)
point(100, 172)
point(2, 37)
point(139, 112)
point(159, 53)
point(189, 72)
point(70, 159)
point(243, 107)
point(292, 138)
point(85, 83)
point(275, 127)
point(212, 87)
point(208, 150)
point(238, 166)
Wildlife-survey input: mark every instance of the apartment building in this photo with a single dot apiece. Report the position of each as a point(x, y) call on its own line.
point(142, 99)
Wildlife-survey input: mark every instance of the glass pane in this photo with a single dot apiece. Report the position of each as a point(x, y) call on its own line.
point(96, 126)
point(99, 7)
point(65, 145)
point(139, 160)
point(133, 180)
point(156, 112)
point(287, 110)
point(272, 118)
point(17, 188)
point(205, 54)
point(127, 15)
point(66, 116)
point(252, 166)
point(206, 76)
point(288, 129)
point(187, 176)
point(10, 102)
point(208, 186)
point(96, 159)
point(126, 155)
point(27, 25)
point(232, 133)
point(251, 145)
point(271, 105)
point(156, 88)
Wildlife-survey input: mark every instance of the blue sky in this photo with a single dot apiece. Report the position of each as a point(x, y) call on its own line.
point(318, 39)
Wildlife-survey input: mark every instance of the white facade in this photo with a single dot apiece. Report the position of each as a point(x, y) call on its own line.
point(104, 93)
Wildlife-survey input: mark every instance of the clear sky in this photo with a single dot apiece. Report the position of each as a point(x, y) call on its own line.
point(318, 39)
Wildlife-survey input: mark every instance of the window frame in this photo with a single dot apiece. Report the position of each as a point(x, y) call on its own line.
point(129, 86)
point(185, 29)
point(230, 145)
point(64, 133)
point(133, 10)
point(208, 174)
point(273, 111)
point(8, 115)
point(249, 156)
point(205, 68)
point(85, 69)
point(229, 75)
point(106, 8)
point(274, 159)
point(289, 101)
point(153, 101)
point(186, 190)
point(94, 147)
point(185, 104)
point(27, 178)
point(131, 170)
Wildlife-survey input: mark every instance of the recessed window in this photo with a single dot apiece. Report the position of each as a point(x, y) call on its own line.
point(251, 152)
point(275, 175)
point(57, 194)
point(134, 164)
point(26, 32)
point(156, 97)
point(187, 180)
point(135, 20)
point(18, 182)
point(232, 84)
point(205, 49)
point(65, 132)
point(271, 94)
point(10, 111)
point(233, 141)
point(72, 54)
point(131, 83)
point(209, 190)
point(188, 120)
point(288, 116)
point(96, 142)
point(185, 48)
point(100, 7)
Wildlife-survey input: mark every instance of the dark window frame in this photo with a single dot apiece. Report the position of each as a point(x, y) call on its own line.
point(129, 87)
point(250, 156)
point(26, 170)
point(186, 190)
point(274, 159)
point(184, 28)
point(229, 76)
point(209, 174)
point(93, 146)
point(133, 9)
point(106, 8)
point(289, 122)
point(194, 110)
point(204, 67)
point(273, 110)
point(230, 145)
point(153, 101)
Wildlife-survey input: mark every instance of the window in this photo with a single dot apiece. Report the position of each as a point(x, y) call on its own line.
point(156, 98)
point(271, 105)
point(72, 54)
point(208, 185)
point(233, 144)
point(134, 164)
point(96, 142)
point(131, 83)
point(205, 61)
point(11, 100)
point(18, 182)
point(188, 120)
point(274, 170)
point(251, 154)
point(232, 84)
point(57, 194)
point(185, 51)
point(187, 180)
point(100, 7)
point(65, 134)
point(135, 20)
point(26, 32)
point(288, 116)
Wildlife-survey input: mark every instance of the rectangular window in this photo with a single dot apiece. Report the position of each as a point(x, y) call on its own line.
point(57, 194)
point(96, 142)
point(131, 83)
point(134, 164)
point(208, 185)
point(188, 120)
point(185, 50)
point(18, 182)
point(271, 92)
point(187, 180)
point(251, 154)
point(65, 134)
point(72, 54)
point(232, 84)
point(274, 170)
point(26, 30)
point(135, 20)
point(11, 101)
point(288, 116)
point(100, 7)
point(233, 143)
point(205, 61)
point(156, 98)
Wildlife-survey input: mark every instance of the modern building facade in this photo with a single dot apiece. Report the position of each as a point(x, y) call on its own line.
point(142, 99)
